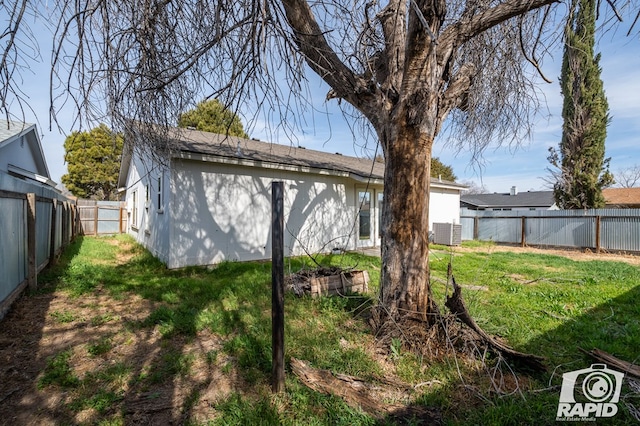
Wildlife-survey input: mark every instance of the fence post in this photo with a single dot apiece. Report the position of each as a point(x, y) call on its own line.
point(65, 224)
point(52, 247)
point(598, 223)
point(72, 209)
point(476, 227)
point(95, 219)
point(523, 225)
point(32, 268)
point(277, 286)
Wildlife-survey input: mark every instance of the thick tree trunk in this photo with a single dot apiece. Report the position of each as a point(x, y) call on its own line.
point(405, 290)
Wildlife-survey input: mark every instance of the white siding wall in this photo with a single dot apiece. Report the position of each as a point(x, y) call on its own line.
point(444, 206)
point(213, 212)
point(223, 212)
point(150, 227)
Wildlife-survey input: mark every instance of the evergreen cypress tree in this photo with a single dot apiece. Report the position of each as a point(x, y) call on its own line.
point(583, 170)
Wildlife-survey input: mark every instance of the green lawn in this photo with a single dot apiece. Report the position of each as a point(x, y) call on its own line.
point(542, 304)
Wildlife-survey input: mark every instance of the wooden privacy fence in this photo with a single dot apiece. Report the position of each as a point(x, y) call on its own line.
point(597, 229)
point(34, 229)
point(102, 217)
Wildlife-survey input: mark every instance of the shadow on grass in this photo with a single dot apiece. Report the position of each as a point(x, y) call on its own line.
point(613, 327)
point(128, 341)
point(22, 354)
point(232, 301)
point(191, 346)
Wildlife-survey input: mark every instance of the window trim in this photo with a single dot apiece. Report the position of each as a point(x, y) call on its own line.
point(134, 210)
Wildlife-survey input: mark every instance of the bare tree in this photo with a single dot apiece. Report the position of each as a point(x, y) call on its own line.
point(411, 69)
point(19, 48)
point(628, 177)
point(474, 187)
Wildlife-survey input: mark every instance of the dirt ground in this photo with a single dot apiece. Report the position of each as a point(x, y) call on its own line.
point(35, 330)
point(41, 326)
point(577, 255)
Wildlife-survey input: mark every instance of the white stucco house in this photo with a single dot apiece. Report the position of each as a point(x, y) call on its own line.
point(211, 201)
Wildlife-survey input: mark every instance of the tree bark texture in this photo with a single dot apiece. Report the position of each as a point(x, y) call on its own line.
point(405, 227)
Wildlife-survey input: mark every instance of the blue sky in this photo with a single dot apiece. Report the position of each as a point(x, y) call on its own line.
point(524, 167)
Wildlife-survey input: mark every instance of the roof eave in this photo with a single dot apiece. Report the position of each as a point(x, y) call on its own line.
point(18, 171)
point(273, 165)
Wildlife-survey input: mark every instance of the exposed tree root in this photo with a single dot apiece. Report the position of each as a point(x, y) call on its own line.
point(456, 305)
point(437, 337)
point(360, 394)
point(443, 334)
point(611, 360)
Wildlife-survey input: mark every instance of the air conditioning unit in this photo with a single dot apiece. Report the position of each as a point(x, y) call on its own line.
point(447, 234)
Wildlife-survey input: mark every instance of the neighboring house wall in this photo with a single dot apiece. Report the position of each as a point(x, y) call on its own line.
point(18, 154)
point(510, 201)
point(23, 171)
point(517, 209)
point(20, 147)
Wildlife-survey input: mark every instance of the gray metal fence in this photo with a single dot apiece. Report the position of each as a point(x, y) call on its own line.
point(13, 245)
point(34, 228)
point(599, 229)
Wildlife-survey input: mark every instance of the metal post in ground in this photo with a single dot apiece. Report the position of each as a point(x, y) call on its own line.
point(277, 286)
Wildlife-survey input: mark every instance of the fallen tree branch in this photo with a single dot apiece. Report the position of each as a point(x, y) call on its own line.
point(358, 394)
point(456, 305)
point(610, 360)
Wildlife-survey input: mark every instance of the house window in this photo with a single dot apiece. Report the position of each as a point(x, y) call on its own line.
point(364, 215)
point(134, 211)
point(147, 202)
point(380, 201)
point(159, 194)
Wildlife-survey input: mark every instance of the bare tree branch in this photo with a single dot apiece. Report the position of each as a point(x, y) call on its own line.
point(19, 47)
point(628, 177)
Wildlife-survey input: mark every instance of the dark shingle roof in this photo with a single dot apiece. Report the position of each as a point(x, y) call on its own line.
point(506, 200)
point(188, 141)
point(239, 148)
point(10, 129)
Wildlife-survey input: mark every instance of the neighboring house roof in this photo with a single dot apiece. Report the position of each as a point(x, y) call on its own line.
point(204, 146)
point(17, 132)
point(622, 197)
point(506, 200)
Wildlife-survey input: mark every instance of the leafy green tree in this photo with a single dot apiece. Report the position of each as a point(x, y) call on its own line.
point(441, 170)
point(93, 163)
point(212, 116)
point(583, 170)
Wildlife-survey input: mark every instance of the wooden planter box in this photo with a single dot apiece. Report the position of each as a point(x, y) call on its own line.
point(346, 282)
